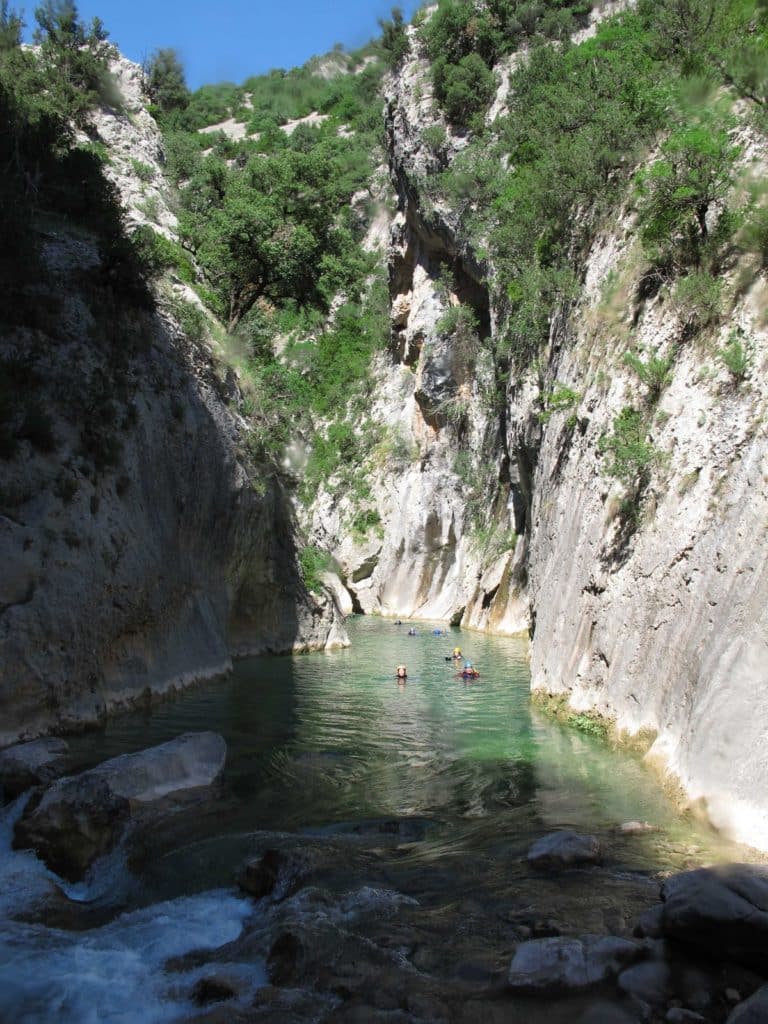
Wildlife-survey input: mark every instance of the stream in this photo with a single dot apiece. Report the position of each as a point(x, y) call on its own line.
point(418, 802)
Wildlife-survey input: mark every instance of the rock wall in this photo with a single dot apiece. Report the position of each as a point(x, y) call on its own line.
point(140, 547)
point(426, 560)
point(655, 615)
point(663, 627)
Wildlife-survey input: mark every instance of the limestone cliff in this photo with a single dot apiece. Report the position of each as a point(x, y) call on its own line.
point(654, 615)
point(141, 546)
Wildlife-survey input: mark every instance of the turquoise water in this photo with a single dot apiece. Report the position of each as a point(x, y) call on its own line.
point(318, 746)
point(332, 737)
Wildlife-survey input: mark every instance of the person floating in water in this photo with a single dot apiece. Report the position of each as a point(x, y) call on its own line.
point(401, 672)
point(398, 622)
point(439, 632)
point(412, 631)
point(457, 655)
point(469, 671)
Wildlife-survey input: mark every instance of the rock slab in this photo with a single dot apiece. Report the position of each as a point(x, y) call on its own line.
point(564, 849)
point(722, 909)
point(82, 817)
point(544, 967)
point(31, 764)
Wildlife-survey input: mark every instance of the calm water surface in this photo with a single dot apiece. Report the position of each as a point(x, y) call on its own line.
point(317, 744)
point(328, 737)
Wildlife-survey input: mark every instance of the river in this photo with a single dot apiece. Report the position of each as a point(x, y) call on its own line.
point(331, 748)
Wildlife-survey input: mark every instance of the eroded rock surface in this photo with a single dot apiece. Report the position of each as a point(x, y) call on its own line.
point(564, 849)
point(548, 967)
point(31, 764)
point(82, 817)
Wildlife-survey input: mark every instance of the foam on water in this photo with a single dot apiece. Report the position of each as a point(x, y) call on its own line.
point(114, 973)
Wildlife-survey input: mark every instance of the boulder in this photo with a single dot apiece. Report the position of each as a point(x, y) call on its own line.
point(564, 849)
point(722, 909)
point(82, 817)
point(753, 1010)
point(31, 764)
point(545, 967)
point(277, 872)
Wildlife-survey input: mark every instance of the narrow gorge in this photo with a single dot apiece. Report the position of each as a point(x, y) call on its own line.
point(462, 332)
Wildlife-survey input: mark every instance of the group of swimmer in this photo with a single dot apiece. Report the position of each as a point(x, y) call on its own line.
point(467, 671)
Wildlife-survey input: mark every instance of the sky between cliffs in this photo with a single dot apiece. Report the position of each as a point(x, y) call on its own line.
point(232, 39)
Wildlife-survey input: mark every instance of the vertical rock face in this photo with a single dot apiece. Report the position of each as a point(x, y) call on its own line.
point(140, 547)
point(662, 623)
point(650, 607)
point(444, 548)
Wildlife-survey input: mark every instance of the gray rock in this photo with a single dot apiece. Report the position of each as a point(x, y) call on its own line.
point(649, 924)
point(564, 849)
point(31, 764)
point(82, 817)
point(678, 1015)
point(722, 909)
point(545, 967)
point(753, 1010)
point(652, 982)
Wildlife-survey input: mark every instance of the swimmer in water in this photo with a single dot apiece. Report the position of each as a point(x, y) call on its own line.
point(401, 672)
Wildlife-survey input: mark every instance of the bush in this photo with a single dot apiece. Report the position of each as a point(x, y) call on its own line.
point(314, 562)
point(697, 301)
point(632, 455)
point(735, 357)
point(655, 372)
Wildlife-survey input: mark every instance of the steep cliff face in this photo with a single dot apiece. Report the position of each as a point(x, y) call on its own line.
point(141, 546)
point(660, 624)
point(445, 445)
point(648, 606)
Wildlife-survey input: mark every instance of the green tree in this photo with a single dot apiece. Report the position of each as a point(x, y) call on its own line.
point(166, 82)
point(394, 40)
point(677, 193)
point(75, 58)
point(11, 25)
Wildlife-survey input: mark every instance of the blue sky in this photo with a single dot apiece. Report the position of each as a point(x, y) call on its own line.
point(232, 39)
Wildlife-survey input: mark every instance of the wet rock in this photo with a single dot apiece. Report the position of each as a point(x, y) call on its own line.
point(212, 990)
point(36, 763)
point(275, 870)
point(649, 924)
point(634, 828)
point(82, 817)
point(564, 849)
point(722, 909)
point(651, 982)
point(284, 958)
point(753, 1010)
point(679, 1015)
point(559, 965)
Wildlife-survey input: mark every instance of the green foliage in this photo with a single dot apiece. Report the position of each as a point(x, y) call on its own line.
point(632, 454)
point(314, 562)
point(559, 399)
point(74, 58)
point(735, 357)
point(676, 194)
point(144, 172)
point(156, 253)
point(166, 82)
point(697, 300)
point(655, 372)
point(394, 40)
point(365, 520)
point(464, 40)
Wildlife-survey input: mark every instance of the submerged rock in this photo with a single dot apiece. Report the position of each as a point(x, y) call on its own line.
point(31, 764)
point(722, 909)
point(564, 849)
point(82, 817)
point(545, 967)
